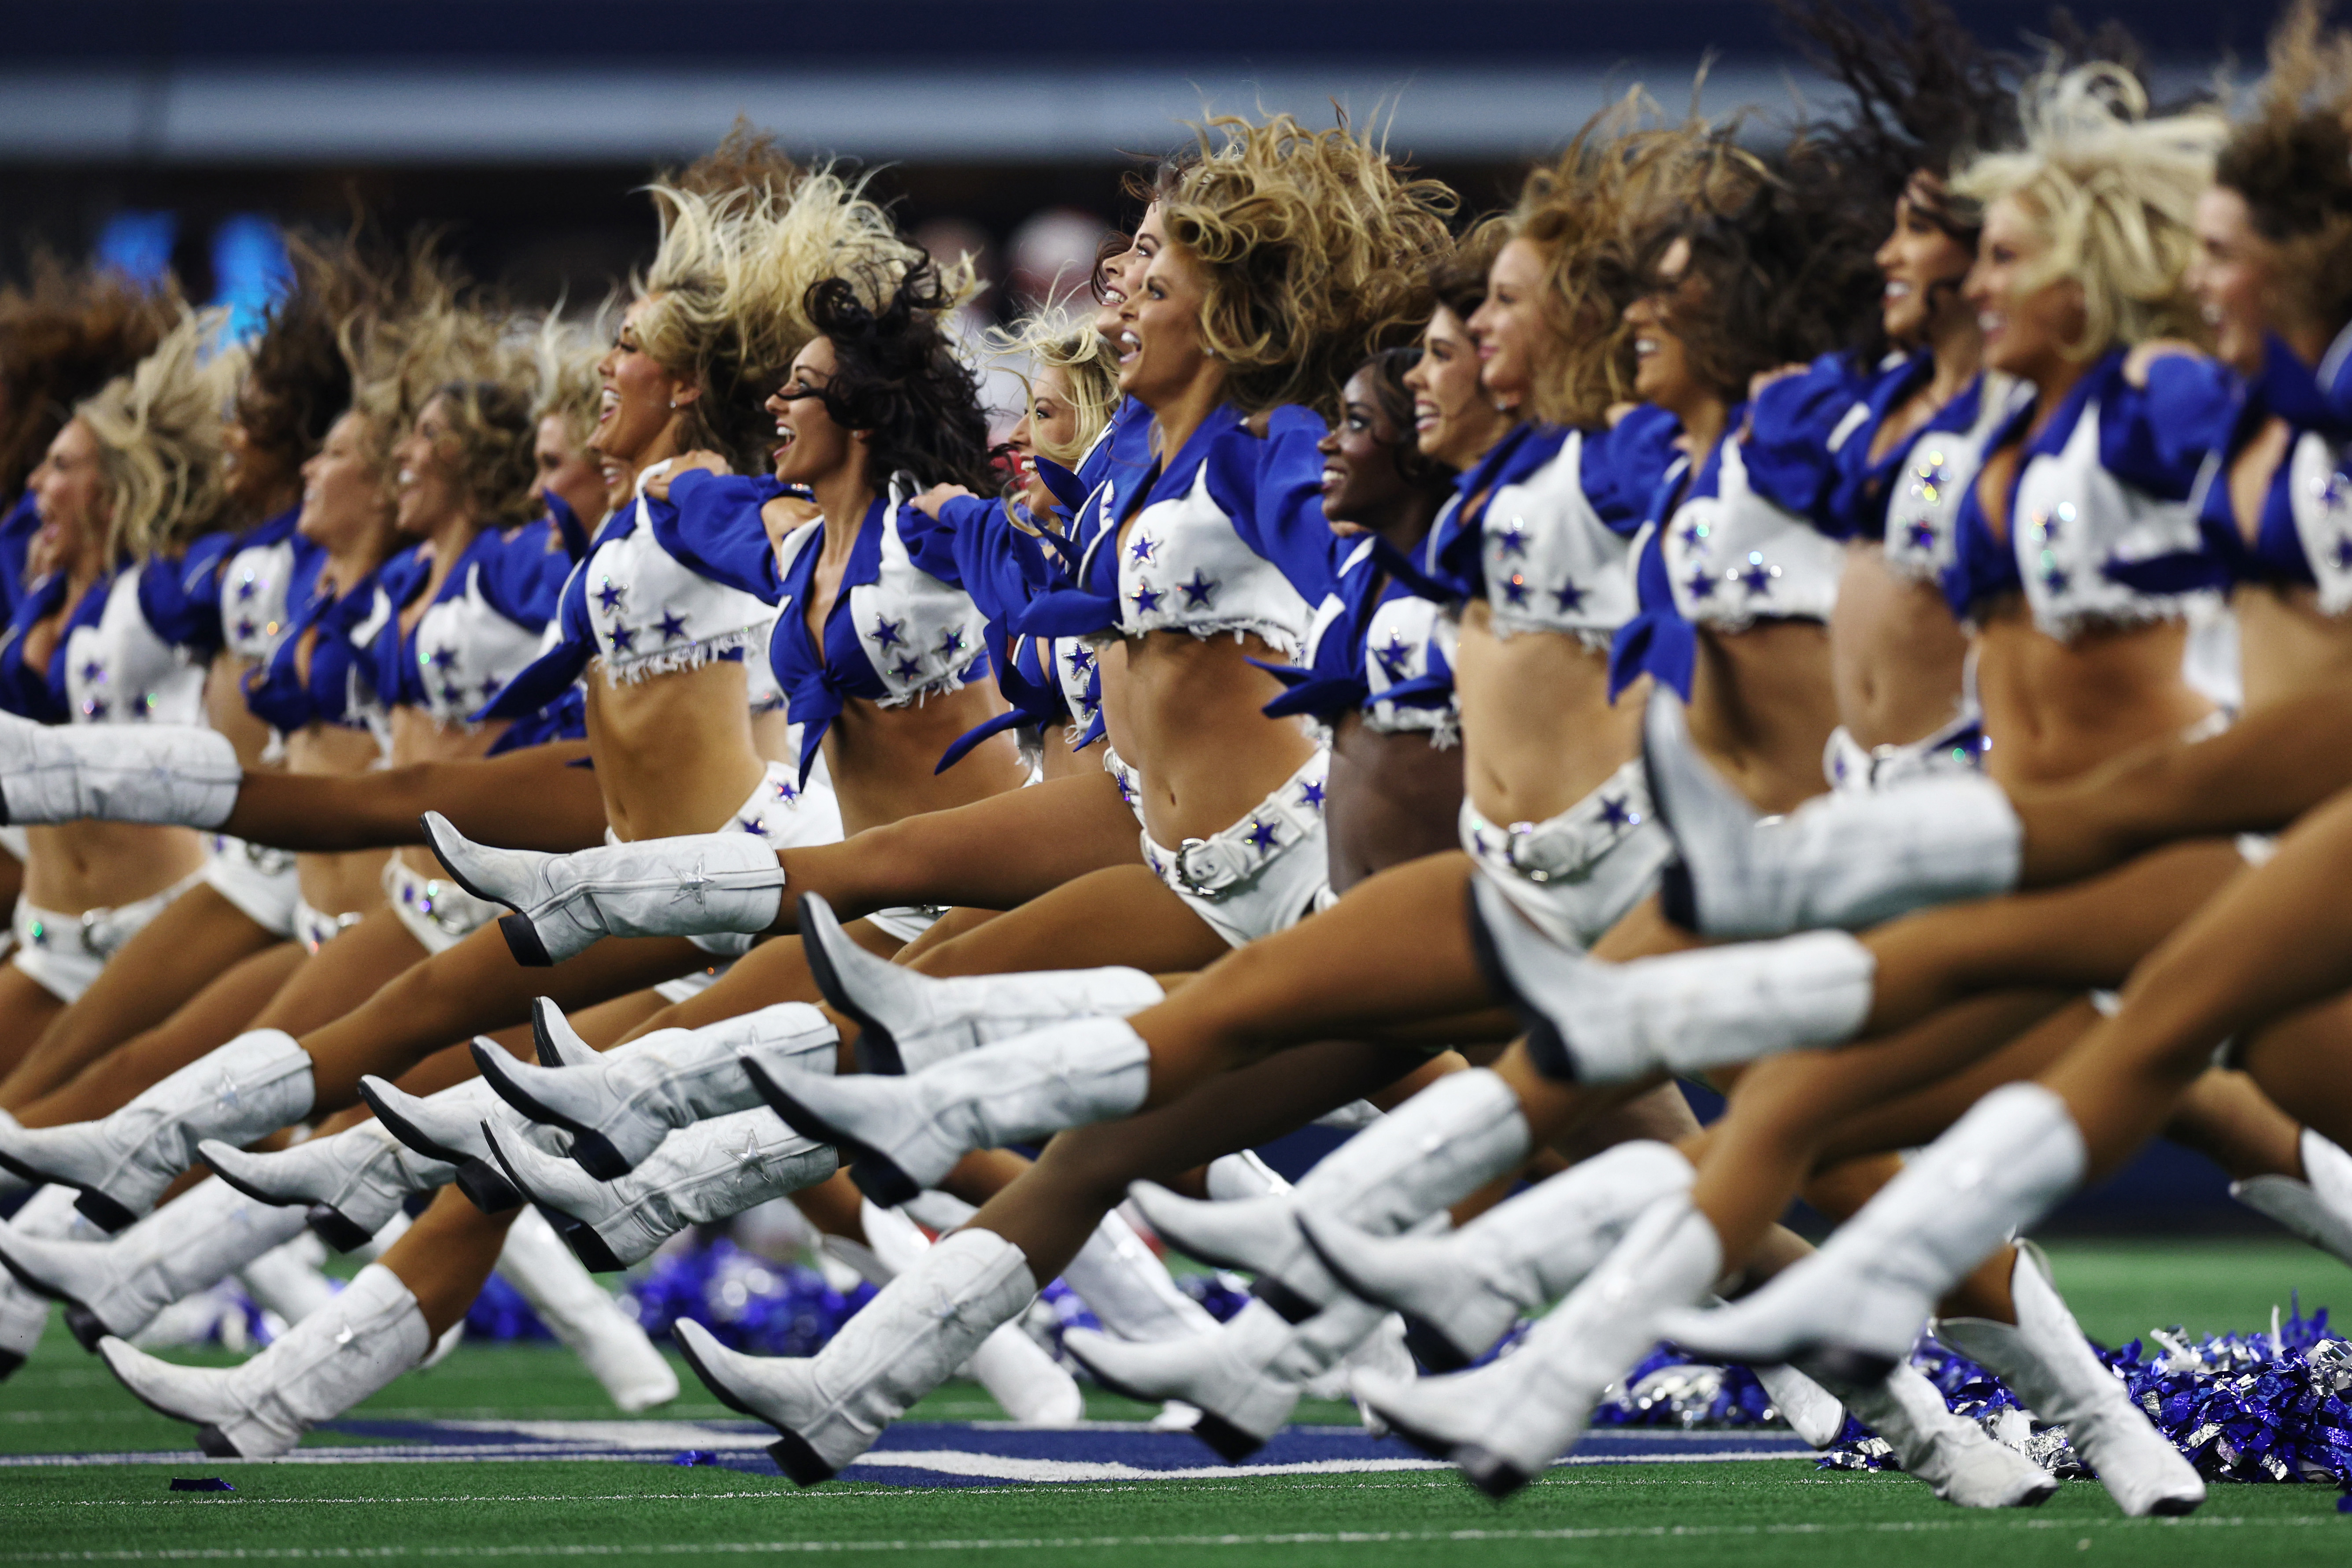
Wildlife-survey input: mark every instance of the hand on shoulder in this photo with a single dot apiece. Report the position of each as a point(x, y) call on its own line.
point(657, 486)
point(2143, 357)
point(931, 501)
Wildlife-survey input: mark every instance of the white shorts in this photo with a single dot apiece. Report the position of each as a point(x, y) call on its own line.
point(437, 913)
point(314, 928)
point(64, 953)
point(1262, 874)
point(261, 882)
point(789, 815)
point(1577, 874)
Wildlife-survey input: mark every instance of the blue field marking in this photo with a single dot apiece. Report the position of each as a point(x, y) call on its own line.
point(942, 1453)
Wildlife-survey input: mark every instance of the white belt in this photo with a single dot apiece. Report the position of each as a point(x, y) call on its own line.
point(1232, 858)
point(1565, 848)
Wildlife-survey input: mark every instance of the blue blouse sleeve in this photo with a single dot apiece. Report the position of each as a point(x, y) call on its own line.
point(1273, 489)
point(2157, 437)
point(523, 573)
point(711, 526)
point(1787, 448)
point(1623, 465)
point(181, 599)
point(974, 546)
point(25, 689)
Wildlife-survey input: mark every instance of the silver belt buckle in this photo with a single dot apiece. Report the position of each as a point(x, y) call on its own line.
point(1517, 849)
point(90, 921)
point(1199, 886)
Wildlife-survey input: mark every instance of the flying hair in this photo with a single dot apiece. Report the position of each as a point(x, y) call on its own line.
point(2291, 162)
point(63, 335)
point(159, 439)
point(298, 379)
point(2113, 190)
point(896, 376)
point(1314, 250)
point(564, 382)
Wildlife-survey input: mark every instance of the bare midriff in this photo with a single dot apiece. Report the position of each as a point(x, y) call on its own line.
point(1538, 731)
point(883, 760)
point(2054, 709)
point(1896, 653)
point(1762, 709)
point(81, 866)
point(1185, 713)
point(2288, 647)
point(347, 883)
point(675, 752)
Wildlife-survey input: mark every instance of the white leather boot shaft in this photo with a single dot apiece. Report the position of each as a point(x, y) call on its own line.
point(911, 1022)
point(711, 1170)
point(1128, 1290)
point(369, 1334)
point(584, 1316)
point(1845, 861)
point(1596, 1022)
point(1471, 1285)
point(619, 1107)
point(1504, 1423)
point(908, 1132)
point(2048, 1363)
point(287, 1280)
point(363, 1176)
point(120, 1284)
point(257, 1083)
point(1812, 1412)
point(901, 1345)
point(1948, 1452)
point(186, 776)
point(2318, 1208)
point(1870, 1289)
point(695, 884)
point(47, 1215)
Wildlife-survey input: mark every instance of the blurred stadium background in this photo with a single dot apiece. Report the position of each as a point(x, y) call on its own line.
point(190, 134)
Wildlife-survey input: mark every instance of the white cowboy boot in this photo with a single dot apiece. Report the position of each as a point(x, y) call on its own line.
point(1812, 1412)
point(1855, 1306)
point(1506, 1422)
point(2318, 1208)
point(584, 1316)
point(369, 1334)
point(711, 1171)
point(353, 1181)
point(904, 1342)
point(257, 1083)
point(620, 1106)
point(117, 1285)
point(1593, 1022)
point(186, 776)
point(697, 885)
point(903, 1134)
point(47, 1215)
point(1437, 1148)
point(1469, 1286)
point(446, 1127)
point(1948, 1452)
point(2047, 1362)
point(910, 1022)
point(1130, 1290)
point(287, 1280)
point(1845, 861)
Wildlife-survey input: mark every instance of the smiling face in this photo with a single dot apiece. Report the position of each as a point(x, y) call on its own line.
point(640, 399)
point(1361, 477)
point(70, 495)
point(1122, 275)
point(2232, 276)
point(253, 476)
point(1452, 420)
point(1051, 421)
point(560, 468)
point(342, 490)
point(425, 481)
point(812, 446)
point(1159, 345)
point(1508, 326)
point(2027, 324)
point(1922, 263)
point(1662, 365)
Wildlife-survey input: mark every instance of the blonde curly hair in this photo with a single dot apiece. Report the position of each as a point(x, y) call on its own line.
point(159, 433)
point(565, 385)
point(1314, 250)
point(1057, 338)
point(2113, 191)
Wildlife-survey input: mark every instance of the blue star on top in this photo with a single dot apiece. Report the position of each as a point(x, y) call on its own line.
point(1082, 658)
point(755, 825)
point(1700, 586)
point(1756, 579)
point(246, 629)
point(907, 669)
point(443, 657)
point(888, 633)
point(787, 790)
point(1513, 540)
point(1201, 591)
point(1140, 550)
point(2055, 580)
point(1613, 811)
point(1514, 588)
point(950, 642)
point(673, 626)
point(452, 693)
point(1922, 535)
point(93, 672)
point(1694, 537)
point(492, 686)
point(625, 640)
point(1311, 794)
point(2343, 552)
point(1396, 658)
point(1147, 599)
point(93, 708)
point(1261, 835)
point(244, 589)
point(610, 595)
point(1571, 597)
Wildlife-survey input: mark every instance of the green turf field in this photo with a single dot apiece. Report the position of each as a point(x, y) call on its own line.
point(1762, 1512)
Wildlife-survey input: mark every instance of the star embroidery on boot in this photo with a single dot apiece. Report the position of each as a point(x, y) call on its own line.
point(950, 642)
point(1922, 536)
point(1694, 537)
point(1201, 591)
point(908, 668)
point(1615, 814)
point(757, 827)
point(245, 588)
point(1700, 586)
point(93, 673)
point(2343, 552)
point(93, 708)
point(1757, 578)
point(787, 790)
point(1396, 656)
point(492, 686)
point(1082, 659)
point(452, 693)
point(2054, 578)
point(246, 629)
point(442, 658)
point(1514, 588)
point(1140, 550)
point(673, 626)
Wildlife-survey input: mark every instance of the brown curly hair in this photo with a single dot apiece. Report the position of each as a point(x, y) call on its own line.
point(2291, 162)
point(65, 334)
point(298, 379)
point(1314, 250)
